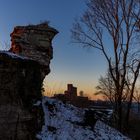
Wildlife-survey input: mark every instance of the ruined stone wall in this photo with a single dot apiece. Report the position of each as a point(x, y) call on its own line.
point(22, 70)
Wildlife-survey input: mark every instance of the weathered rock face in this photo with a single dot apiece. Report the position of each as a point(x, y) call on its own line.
point(21, 75)
point(20, 88)
point(35, 42)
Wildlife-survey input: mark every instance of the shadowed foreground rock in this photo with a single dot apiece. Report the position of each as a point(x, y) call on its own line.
point(22, 71)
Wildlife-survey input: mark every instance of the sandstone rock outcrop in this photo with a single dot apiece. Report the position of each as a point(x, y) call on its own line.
point(35, 42)
point(22, 70)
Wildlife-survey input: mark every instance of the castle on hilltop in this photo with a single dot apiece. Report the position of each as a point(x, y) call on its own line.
point(71, 91)
point(71, 96)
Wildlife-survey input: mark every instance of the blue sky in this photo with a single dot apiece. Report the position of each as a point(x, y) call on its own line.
point(71, 63)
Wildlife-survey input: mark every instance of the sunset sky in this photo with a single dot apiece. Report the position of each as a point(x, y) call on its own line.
point(71, 63)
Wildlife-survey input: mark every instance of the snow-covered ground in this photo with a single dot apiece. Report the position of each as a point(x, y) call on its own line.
point(65, 122)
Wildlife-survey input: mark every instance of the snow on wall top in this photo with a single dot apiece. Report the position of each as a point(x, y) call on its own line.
point(13, 55)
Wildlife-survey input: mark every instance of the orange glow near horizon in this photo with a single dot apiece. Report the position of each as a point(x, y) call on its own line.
point(55, 87)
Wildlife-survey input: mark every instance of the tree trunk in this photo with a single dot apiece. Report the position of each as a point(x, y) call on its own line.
point(138, 107)
point(120, 114)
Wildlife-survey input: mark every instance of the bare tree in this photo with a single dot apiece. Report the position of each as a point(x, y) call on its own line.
point(118, 21)
point(81, 93)
point(137, 99)
point(106, 88)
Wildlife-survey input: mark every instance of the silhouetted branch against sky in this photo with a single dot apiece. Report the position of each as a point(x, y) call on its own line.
point(118, 22)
